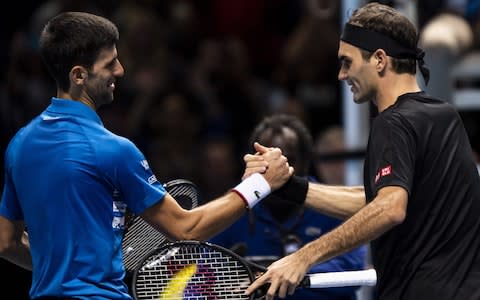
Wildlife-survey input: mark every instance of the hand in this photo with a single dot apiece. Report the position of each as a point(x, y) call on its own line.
point(284, 276)
point(256, 163)
point(274, 166)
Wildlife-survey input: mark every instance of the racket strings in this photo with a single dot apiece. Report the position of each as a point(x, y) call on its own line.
point(185, 194)
point(140, 237)
point(192, 273)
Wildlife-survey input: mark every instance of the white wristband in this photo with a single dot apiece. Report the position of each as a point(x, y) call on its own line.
point(253, 189)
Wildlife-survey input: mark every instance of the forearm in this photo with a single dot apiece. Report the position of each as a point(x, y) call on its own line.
point(214, 216)
point(200, 223)
point(376, 218)
point(336, 201)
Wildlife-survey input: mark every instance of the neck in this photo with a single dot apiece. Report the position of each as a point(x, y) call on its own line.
point(69, 96)
point(392, 86)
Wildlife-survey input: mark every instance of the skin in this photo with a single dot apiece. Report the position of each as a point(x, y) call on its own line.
point(370, 80)
point(94, 88)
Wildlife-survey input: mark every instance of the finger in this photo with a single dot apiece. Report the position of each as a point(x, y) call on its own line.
point(291, 289)
point(282, 290)
point(272, 290)
point(256, 164)
point(260, 148)
point(256, 284)
point(250, 171)
point(253, 157)
point(274, 153)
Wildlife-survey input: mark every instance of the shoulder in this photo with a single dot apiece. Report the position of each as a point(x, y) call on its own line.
point(111, 149)
point(108, 140)
point(18, 140)
point(417, 111)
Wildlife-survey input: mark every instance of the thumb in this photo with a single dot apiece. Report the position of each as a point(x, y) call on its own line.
point(291, 171)
point(260, 148)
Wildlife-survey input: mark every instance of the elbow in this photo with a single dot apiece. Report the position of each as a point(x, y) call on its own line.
point(394, 203)
point(397, 216)
point(188, 236)
point(187, 231)
point(6, 246)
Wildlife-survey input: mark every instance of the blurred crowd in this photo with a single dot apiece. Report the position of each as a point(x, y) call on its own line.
point(199, 76)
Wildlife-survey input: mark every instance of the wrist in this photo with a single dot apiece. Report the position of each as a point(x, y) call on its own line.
point(253, 189)
point(294, 190)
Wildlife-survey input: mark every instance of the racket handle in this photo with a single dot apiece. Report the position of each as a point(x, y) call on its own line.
point(339, 279)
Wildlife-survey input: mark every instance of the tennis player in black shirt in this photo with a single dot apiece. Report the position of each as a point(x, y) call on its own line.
point(420, 204)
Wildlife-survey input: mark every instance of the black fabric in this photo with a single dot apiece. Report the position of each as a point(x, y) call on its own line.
point(294, 190)
point(420, 144)
point(370, 40)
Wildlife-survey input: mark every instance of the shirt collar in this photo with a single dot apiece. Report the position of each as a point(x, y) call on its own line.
point(72, 107)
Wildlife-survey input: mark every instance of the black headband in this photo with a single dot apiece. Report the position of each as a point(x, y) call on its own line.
point(371, 40)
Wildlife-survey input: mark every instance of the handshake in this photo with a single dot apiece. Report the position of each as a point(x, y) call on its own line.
point(275, 170)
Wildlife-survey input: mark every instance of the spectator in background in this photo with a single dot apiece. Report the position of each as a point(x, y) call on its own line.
point(217, 166)
point(277, 227)
point(328, 166)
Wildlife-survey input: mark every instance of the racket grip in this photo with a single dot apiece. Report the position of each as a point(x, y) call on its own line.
point(339, 279)
point(305, 282)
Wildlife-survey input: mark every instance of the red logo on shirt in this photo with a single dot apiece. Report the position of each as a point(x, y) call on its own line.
point(383, 172)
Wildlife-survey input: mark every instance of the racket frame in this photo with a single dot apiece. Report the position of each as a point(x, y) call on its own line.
point(248, 266)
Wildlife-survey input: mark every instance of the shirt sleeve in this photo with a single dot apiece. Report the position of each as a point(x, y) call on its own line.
point(9, 206)
point(391, 154)
point(135, 179)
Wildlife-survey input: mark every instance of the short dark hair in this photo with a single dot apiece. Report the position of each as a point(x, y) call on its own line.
point(388, 21)
point(276, 123)
point(74, 38)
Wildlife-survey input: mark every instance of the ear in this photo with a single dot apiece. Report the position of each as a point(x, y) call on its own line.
point(381, 60)
point(78, 75)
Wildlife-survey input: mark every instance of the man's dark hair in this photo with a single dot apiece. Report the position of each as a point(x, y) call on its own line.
point(275, 125)
point(74, 38)
point(386, 20)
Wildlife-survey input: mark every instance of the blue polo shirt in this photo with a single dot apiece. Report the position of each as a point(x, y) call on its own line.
point(71, 180)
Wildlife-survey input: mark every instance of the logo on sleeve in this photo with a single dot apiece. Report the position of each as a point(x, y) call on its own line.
point(119, 209)
point(383, 172)
point(152, 179)
point(145, 164)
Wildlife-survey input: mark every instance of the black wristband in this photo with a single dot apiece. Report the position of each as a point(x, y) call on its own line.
point(294, 190)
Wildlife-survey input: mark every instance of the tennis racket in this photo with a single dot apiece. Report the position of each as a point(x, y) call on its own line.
point(201, 270)
point(140, 237)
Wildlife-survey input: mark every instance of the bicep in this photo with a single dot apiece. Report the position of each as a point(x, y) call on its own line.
point(336, 201)
point(166, 216)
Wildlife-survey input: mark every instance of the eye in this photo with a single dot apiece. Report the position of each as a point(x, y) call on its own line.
point(345, 63)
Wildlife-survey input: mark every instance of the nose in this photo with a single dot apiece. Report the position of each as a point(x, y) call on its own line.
point(119, 70)
point(342, 74)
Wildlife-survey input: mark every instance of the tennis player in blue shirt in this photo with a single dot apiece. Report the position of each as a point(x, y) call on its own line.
point(69, 181)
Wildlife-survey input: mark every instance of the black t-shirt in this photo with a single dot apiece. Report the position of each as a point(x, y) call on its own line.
point(420, 144)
